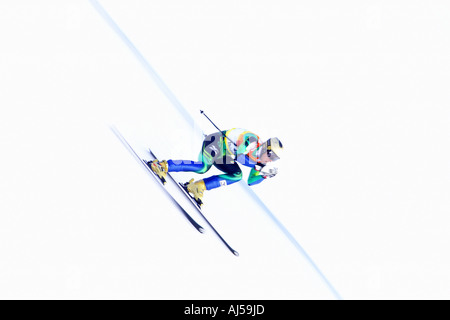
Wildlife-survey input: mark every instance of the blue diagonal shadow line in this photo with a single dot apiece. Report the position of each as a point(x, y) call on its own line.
point(153, 74)
point(292, 239)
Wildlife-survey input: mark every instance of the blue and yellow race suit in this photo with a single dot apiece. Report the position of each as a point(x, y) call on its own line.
point(225, 150)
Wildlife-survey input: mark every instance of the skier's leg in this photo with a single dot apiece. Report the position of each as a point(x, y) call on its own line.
point(232, 175)
point(206, 158)
point(188, 166)
point(161, 168)
point(212, 150)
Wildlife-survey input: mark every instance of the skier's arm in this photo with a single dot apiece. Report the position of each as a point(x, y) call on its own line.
point(259, 173)
point(255, 177)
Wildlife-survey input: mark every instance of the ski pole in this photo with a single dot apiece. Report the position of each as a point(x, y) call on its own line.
point(203, 113)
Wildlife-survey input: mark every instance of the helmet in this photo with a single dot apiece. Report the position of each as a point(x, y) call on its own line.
point(273, 147)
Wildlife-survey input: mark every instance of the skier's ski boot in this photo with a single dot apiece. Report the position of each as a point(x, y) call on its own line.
point(160, 168)
point(196, 189)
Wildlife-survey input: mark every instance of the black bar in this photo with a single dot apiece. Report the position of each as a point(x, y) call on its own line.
point(223, 309)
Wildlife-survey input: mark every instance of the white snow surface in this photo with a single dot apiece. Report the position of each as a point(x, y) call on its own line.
point(356, 90)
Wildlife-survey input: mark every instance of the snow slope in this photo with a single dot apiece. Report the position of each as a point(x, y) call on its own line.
point(356, 91)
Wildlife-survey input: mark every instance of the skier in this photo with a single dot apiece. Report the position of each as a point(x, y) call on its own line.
point(223, 150)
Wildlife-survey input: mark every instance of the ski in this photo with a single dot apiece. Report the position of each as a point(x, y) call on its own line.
point(161, 183)
point(196, 205)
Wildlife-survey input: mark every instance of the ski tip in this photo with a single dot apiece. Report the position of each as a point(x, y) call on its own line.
point(236, 253)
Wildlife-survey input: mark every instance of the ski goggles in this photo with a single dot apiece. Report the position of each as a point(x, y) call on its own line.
point(270, 152)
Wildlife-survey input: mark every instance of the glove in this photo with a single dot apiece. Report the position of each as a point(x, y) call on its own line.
point(268, 173)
